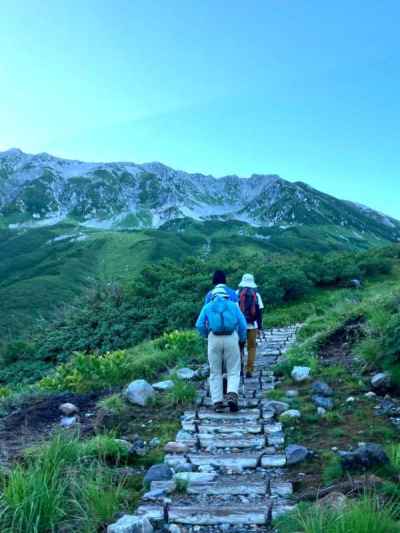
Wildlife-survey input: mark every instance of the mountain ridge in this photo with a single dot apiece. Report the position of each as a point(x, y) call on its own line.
point(40, 189)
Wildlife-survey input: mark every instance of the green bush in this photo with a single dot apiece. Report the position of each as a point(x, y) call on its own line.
point(88, 372)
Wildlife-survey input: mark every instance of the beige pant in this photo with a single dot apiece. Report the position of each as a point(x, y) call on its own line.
point(223, 348)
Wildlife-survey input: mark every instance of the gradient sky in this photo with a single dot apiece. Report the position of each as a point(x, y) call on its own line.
point(307, 89)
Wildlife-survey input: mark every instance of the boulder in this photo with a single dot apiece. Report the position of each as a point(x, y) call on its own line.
point(301, 373)
point(295, 454)
point(321, 401)
point(276, 406)
point(160, 472)
point(321, 411)
point(186, 373)
point(321, 388)
point(68, 409)
point(380, 380)
point(370, 395)
point(163, 385)
point(335, 501)
point(292, 393)
point(131, 524)
point(139, 392)
point(365, 456)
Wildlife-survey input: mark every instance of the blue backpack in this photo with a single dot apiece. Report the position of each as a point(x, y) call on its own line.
point(222, 319)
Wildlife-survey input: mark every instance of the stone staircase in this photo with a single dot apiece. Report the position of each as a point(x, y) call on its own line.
point(229, 468)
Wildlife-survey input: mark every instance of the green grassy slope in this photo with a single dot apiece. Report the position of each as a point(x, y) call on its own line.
point(43, 268)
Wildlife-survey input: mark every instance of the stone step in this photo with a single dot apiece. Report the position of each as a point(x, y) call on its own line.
point(244, 403)
point(270, 461)
point(231, 441)
point(276, 439)
point(234, 461)
point(196, 478)
point(282, 489)
point(244, 415)
point(251, 428)
point(217, 515)
point(154, 513)
point(244, 487)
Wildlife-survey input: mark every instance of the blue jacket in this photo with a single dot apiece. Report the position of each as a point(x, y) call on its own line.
point(230, 292)
point(241, 325)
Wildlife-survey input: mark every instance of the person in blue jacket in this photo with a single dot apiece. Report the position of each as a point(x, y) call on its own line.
point(224, 325)
point(219, 281)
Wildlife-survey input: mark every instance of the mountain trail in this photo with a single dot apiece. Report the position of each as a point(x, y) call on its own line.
point(230, 471)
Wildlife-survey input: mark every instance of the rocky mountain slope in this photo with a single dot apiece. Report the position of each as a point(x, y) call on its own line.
point(41, 189)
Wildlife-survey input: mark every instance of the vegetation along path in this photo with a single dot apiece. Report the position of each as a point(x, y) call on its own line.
point(229, 468)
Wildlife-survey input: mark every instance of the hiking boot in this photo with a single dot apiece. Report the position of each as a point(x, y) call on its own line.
point(219, 407)
point(233, 402)
point(249, 374)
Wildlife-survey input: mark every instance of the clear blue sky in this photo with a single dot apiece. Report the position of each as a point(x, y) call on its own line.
point(308, 89)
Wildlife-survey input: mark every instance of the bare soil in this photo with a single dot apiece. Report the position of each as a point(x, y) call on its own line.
point(33, 420)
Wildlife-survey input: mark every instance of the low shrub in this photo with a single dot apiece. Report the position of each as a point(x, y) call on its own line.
point(87, 372)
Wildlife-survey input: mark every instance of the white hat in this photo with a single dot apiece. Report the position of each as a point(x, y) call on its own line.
point(220, 292)
point(248, 281)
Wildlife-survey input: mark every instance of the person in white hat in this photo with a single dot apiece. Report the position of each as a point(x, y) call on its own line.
point(251, 305)
point(223, 324)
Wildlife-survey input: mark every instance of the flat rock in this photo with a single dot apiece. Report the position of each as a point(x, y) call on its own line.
point(269, 461)
point(186, 373)
point(235, 461)
point(174, 461)
point(210, 515)
point(243, 415)
point(230, 428)
point(166, 486)
point(131, 524)
point(163, 385)
point(230, 488)
point(196, 478)
point(231, 441)
point(154, 513)
point(176, 447)
point(274, 405)
point(291, 413)
point(282, 489)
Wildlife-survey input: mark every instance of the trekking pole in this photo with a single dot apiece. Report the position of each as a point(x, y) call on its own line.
point(242, 369)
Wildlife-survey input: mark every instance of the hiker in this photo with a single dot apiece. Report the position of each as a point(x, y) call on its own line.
point(251, 305)
point(219, 281)
point(224, 325)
